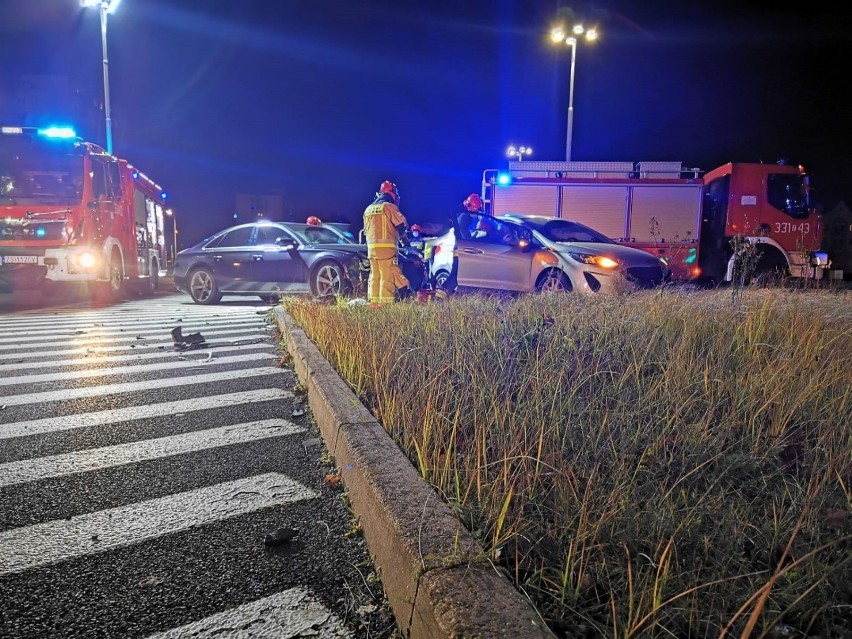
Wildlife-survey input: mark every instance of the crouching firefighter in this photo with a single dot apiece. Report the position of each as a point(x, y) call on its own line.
point(383, 225)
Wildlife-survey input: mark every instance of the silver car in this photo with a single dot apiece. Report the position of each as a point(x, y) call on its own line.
point(534, 253)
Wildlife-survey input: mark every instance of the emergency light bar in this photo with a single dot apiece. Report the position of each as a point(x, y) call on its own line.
point(58, 132)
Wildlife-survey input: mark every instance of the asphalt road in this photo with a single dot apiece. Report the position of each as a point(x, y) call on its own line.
point(138, 482)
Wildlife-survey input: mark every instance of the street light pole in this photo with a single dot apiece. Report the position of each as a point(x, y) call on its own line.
point(559, 35)
point(573, 43)
point(105, 7)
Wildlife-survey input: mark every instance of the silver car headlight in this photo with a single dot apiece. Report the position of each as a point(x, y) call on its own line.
point(597, 260)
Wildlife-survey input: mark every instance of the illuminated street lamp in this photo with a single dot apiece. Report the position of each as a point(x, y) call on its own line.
point(559, 35)
point(106, 6)
point(518, 152)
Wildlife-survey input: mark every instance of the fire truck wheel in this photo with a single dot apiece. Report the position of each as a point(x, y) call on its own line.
point(113, 289)
point(202, 287)
point(553, 280)
point(328, 278)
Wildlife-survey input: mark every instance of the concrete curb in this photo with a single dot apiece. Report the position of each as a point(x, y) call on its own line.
point(435, 575)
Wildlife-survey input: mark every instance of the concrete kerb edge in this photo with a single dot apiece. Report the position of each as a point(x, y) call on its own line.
point(409, 530)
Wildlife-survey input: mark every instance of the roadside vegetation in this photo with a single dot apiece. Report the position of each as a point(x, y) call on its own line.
point(651, 465)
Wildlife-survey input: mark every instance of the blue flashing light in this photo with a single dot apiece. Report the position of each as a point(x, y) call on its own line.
point(503, 179)
point(135, 175)
point(58, 132)
point(41, 231)
point(163, 195)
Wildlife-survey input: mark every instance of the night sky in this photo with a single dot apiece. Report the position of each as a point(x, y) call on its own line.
point(320, 101)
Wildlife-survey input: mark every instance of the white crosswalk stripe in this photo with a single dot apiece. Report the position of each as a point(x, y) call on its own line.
point(95, 459)
point(127, 338)
point(119, 437)
point(53, 541)
point(146, 411)
point(134, 387)
point(21, 337)
point(131, 356)
point(91, 373)
point(292, 613)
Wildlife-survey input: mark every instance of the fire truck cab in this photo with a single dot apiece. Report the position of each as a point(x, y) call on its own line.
point(70, 213)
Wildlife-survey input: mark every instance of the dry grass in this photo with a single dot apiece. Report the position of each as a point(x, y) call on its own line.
point(674, 465)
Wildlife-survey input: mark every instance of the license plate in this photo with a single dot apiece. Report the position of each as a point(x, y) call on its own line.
point(18, 259)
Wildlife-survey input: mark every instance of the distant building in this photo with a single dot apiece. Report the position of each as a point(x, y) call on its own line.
point(838, 237)
point(251, 207)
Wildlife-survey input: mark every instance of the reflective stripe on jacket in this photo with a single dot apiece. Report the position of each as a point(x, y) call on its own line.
point(380, 221)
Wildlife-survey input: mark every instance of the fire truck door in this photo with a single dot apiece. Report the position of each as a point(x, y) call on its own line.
point(713, 249)
point(105, 206)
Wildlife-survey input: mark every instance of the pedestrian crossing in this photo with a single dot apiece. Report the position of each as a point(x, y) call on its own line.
point(215, 418)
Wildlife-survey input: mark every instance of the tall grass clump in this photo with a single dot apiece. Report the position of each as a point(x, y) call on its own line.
point(675, 465)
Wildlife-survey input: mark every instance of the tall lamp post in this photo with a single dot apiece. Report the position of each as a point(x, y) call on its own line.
point(559, 35)
point(106, 6)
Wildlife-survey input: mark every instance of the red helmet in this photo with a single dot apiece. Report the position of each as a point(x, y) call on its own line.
point(473, 202)
point(389, 188)
point(415, 228)
point(313, 220)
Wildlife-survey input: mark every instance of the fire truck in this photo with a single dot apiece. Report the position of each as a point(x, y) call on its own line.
point(72, 214)
point(696, 221)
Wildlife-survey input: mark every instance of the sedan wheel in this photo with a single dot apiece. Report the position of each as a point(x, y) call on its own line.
point(328, 279)
point(553, 281)
point(202, 287)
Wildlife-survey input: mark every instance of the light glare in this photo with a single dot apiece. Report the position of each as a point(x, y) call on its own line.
point(557, 34)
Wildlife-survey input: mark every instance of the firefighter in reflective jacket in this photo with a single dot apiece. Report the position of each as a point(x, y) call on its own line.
point(383, 223)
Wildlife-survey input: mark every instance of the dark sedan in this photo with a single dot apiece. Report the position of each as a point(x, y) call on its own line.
point(269, 258)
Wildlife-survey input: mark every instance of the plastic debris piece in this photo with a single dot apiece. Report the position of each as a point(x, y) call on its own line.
point(358, 301)
point(298, 412)
point(186, 340)
point(209, 357)
point(280, 536)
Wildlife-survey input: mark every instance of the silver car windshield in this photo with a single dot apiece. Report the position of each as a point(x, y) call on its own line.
point(567, 231)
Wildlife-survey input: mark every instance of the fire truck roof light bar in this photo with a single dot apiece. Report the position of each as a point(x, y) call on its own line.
point(59, 132)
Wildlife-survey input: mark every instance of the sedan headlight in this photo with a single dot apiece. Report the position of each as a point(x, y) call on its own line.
point(597, 260)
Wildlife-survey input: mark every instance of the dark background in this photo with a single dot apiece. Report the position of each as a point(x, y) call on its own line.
point(320, 101)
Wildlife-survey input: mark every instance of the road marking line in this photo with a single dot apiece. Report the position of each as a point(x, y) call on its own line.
point(93, 323)
point(83, 461)
point(146, 411)
point(60, 540)
point(292, 613)
point(130, 338)
point(95, 331)
point(131, 356)
point(84, 321)
point(87, 373)
point(72, 394)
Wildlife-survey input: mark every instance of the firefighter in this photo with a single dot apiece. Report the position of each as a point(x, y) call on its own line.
point(473, 203)
point(472, 221)
point(383, 224)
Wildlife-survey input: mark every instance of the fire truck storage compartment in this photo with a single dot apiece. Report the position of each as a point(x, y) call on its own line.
point(527, 199)
point(601, 207)
point(676, 208)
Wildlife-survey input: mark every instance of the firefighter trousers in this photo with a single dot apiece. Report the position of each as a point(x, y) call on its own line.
point(385, 278)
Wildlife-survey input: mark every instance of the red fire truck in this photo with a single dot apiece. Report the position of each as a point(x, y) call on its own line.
point(70, 213)
point(686, 216)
